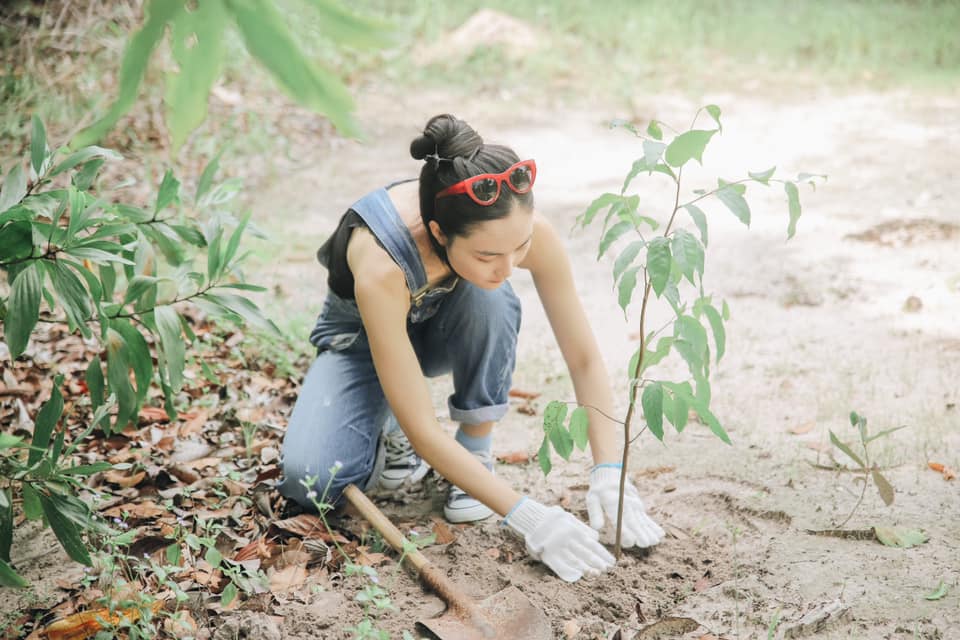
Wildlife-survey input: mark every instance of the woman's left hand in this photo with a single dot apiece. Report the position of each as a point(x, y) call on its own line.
point(604, 495)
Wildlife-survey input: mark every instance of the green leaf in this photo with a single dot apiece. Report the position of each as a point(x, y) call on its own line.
point(172, 343)
point(97, 256)
point(658, 263)
point(731, 195)
point(206, 178)
point(8, 441)
point(6, 525)
point(596, 206)
point(138, 355)
point(168, 193)
point(32, 508)
point(726, 311)
point(118, 378)
point(652, 402)
point(719, 333)
point(553, 423)
point(213, 557)
point(38, 145)
point(714, 112)
point(688, 146)
point(234, 242)
point(23, 309)
point(139, 287)
point(677, 409)
point(938, 593)
point(763, 176)
point(611, 236)
point(652, 152)
point(699, 219)
point(86, 469)
point(708, 418)
point(73, 296)
point(14, 188)
point(9, 577)
point(350, 29)
point(242, 307)
point(83, 155)
point(66, 531)
point(268, 40)
point(626, 258)
point(579, 428)
point(688, 254)
point(135, 58)
point(16, 241)
point(793, 201)
point(883, 433)
point(883, 486)
point(898, 537)
point(95, 384)
point(626, 287)
point(654, 130)
point(836, 442)
point(543, 456)
point(198, 49)
point(173, 554)
point(47, 419)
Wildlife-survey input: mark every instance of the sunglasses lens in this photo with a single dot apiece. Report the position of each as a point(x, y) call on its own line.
point(485, 190)
point(521, 178)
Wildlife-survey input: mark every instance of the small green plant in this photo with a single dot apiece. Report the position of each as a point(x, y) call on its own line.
point(867, 469)
point(118, 275)
point(661, 261)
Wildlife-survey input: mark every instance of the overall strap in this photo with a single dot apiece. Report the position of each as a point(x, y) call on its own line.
point(384, 221)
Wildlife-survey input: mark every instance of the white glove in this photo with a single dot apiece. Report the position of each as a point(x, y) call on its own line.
point(559, 540)
point(604, 494)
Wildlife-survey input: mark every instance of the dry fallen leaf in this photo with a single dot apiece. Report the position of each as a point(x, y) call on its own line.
point(84, 625)
point(137, 510)
point(514, 457)
point(288, 579)
point(493, 553)
point(520, 393)
point(947, 472)
point(148, 415)
point(801, 429)
point(442, 532)
point(122, 479)
point(570, 629)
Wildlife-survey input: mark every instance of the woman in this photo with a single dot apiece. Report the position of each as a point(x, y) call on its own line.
point(417, 288)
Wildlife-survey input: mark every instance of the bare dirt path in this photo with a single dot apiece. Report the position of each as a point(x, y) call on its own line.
point(858, 312)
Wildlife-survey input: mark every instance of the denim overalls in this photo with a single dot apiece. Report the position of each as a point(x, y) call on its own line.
point(341, 410)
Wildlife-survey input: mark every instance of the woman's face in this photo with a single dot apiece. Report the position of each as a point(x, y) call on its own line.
point(488, 255)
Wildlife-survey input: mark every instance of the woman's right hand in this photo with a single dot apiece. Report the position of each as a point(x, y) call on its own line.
point(559, 540)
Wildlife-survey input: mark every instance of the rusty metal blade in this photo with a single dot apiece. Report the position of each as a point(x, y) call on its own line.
point(509, 613)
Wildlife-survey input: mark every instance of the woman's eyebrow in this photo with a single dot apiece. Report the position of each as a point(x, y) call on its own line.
point(494, 253)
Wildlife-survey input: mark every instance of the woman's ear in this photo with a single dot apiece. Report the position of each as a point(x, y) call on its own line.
point(437, 233)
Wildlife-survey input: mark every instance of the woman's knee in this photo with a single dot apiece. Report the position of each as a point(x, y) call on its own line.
point(481, 313)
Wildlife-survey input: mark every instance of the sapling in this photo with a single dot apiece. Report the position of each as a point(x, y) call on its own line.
point(659, 256)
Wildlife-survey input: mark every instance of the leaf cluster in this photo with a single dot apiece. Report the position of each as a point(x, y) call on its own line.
point(197, 43)
point(117, 274)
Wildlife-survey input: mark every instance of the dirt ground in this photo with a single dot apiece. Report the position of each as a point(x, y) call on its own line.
point(857, 312)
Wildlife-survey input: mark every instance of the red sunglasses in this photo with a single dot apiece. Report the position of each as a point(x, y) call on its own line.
point(484, 189)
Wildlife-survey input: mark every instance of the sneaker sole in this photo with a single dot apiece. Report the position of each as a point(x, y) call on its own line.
point(419, 474)
point(474, 513)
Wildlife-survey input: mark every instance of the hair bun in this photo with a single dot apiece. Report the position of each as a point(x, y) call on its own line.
point(422, 146)
point(448, 136)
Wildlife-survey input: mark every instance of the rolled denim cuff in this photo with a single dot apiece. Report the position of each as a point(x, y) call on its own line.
point(478, 415)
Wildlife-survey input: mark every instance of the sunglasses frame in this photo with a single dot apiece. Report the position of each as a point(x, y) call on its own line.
point(465, 186)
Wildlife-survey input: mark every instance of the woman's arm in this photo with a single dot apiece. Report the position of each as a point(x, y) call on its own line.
point(548, 263)
point(384, 302)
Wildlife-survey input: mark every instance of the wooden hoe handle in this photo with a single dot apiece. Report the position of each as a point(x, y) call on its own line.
point(429, 574)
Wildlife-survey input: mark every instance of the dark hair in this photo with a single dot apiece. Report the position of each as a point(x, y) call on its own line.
point(453, 152)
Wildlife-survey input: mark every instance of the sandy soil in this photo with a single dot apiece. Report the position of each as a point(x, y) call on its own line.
point(858, 312)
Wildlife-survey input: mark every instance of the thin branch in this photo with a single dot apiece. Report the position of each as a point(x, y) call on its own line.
point(590, 406)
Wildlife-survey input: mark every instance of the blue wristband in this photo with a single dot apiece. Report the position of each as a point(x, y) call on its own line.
point(607, 465)
point(506, 518)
